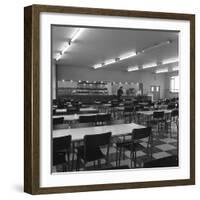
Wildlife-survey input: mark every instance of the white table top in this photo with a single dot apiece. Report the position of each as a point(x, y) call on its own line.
point(87, 109)
point(143, 103)
point(75, 116)
point(150, 112)
point(61, 110)
point(79, 133)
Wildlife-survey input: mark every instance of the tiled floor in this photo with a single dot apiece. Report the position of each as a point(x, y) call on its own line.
point(164, 145)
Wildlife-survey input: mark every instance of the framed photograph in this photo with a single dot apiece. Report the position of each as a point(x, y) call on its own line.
point(109, 99)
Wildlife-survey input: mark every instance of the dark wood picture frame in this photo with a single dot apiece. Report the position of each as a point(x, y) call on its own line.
point(32, 106)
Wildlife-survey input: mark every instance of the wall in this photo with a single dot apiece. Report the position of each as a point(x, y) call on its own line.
point(148, 79)
point(11, 87)
point(53, 73)
point(167, 92)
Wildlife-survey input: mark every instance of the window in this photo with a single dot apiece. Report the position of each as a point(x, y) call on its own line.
point(174, 84)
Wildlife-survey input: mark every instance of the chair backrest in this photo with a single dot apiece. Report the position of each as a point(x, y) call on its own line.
point(114, 103)
point(103, 118)
point(59, 120)
point(95, 141)
point(87, 119)
point(128, 109)
point(128, 104)
point(139, 108)
point(174, 113)
point(141, 133)
point(72, 110)
point(61, 143)
point(158, 114)
point(171, 106)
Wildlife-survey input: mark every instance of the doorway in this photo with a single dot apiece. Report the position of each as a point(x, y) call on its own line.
point(155, 91)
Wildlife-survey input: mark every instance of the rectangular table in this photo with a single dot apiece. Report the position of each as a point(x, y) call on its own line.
point(150, 112)
point(79, 133)
point(146, 115)
point(88, 110)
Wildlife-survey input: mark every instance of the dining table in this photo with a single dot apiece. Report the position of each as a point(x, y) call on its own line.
point(79, 133)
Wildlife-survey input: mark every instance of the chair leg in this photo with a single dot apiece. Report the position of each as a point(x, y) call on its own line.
point(118, 156)
point(135, 159)
point(99, 163)
point(77, 164)
point(68, 159)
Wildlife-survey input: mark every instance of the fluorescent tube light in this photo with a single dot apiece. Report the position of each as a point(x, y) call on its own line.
point(175, 69)
point(128, 55)
point(170, 60)
point(109, 62)
point(149, 65)
point(65, 48)
point(161, 71)
point(156, 46)
point(130, 69)
point(59, 56)
point(76, 34)
point(97, 66)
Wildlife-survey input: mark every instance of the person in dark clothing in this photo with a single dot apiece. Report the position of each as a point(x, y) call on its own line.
point(119, 93)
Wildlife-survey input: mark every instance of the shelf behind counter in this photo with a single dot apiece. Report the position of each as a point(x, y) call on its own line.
point(90, 99)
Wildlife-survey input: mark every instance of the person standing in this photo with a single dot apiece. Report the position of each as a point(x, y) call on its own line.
point(119, 93)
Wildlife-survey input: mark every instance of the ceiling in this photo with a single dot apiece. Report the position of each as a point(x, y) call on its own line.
point(96, 45)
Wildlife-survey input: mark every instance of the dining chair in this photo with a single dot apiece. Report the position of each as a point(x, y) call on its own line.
point(72, 110)
point(87, 121)
point(61, 152)
point(134, 144)
point(91, 150)
point(158, 120)
point(103, 119)
point(172, 120)
point(128, 113)
point(58, 123)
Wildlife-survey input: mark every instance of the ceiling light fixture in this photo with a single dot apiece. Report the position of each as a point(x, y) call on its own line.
point(156, 45)
point(75, 35)
point(132, 54)
point(58, 56)
point(97, 66)
point(109, 62)
point(175, 69)
point(161, 71)
point(65, 48)
point(169, 61)
point(128, 55)
point(130, 69)
point(149, 65)
point(114, 60)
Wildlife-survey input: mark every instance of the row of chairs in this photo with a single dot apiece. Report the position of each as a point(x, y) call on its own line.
point(161, 121)
point(91, 149)
point(85, 120)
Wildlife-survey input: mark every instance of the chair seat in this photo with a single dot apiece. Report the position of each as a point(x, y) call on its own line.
point(59, 158)
point(62, 151)
point(129, 145)
point(156, 121)
point(91, 155)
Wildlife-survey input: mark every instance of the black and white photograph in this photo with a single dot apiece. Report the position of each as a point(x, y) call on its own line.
point(114, 98)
